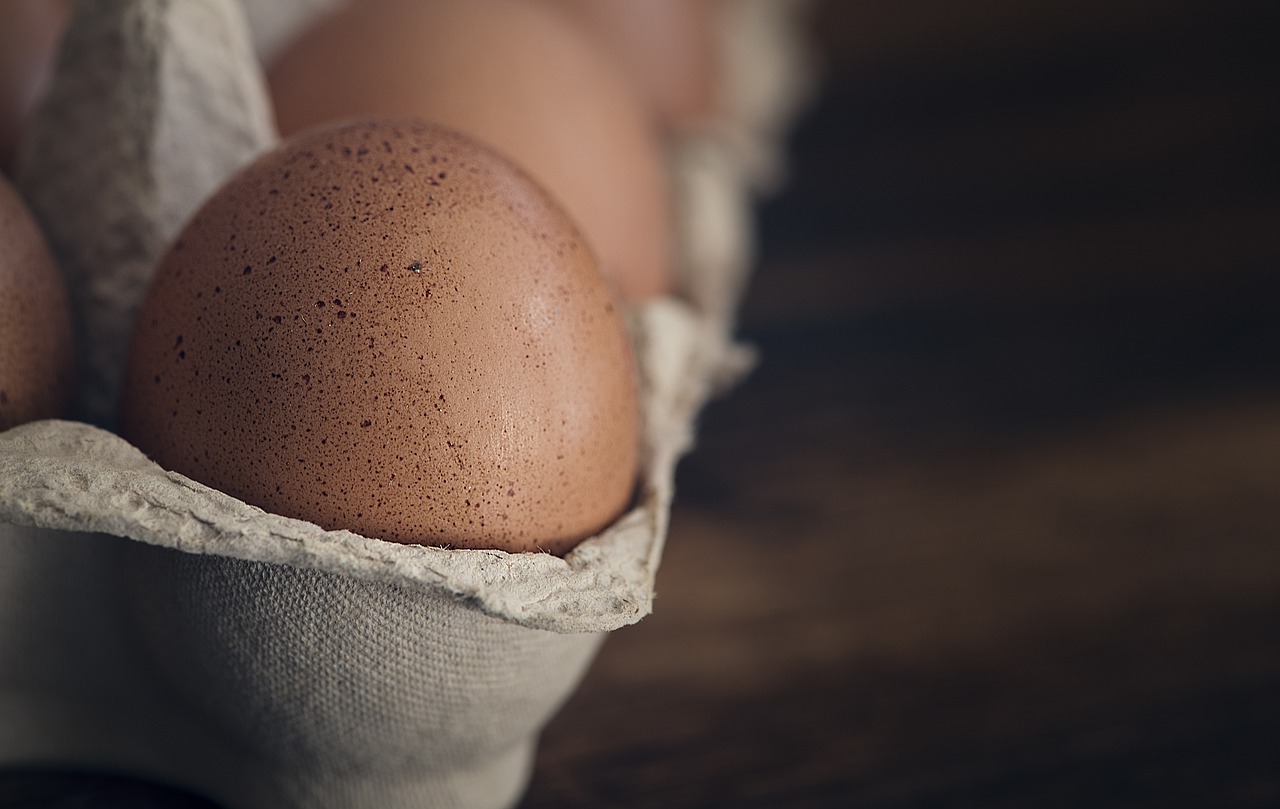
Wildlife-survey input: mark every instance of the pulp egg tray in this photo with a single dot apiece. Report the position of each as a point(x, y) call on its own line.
point(155, 627)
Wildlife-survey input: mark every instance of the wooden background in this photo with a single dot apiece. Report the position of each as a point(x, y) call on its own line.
point(996, 523)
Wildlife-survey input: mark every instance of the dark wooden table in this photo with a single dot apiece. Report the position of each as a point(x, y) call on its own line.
point(996, 523)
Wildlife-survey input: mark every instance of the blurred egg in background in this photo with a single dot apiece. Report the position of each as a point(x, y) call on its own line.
point(517, 75)
point(667, 48)
point(29, 35)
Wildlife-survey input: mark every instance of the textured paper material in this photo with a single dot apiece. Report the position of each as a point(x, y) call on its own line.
point(153, 626)
point(72, 476)
point(152, 105)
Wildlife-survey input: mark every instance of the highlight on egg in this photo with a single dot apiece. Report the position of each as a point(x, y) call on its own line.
point(518, 75)
point(36, 340)
point(386, 326)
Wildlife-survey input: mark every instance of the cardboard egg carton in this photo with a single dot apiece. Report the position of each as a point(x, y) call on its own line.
point(153, 626)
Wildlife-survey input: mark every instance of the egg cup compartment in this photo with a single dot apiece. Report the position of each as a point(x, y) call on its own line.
point(284, 665)
point(153, 626)
point(348, 692)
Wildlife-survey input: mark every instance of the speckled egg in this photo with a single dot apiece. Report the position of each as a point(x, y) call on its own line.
point(522, 78)
point(387, 327)
point(36, 369)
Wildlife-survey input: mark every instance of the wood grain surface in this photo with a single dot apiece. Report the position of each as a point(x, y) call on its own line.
point(996, 522)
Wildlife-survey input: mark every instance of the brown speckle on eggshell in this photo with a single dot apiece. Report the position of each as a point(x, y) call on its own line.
point(385, 326)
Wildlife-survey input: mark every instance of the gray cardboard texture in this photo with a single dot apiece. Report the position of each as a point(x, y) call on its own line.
point(152, 626)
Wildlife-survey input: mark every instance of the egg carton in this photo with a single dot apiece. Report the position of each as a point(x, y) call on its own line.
point(155, 627)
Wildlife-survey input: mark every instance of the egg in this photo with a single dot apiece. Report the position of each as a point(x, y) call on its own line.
point(668, 49)
point(387, 327)
point(518, 76)
point(29, 34)
point(36, 368)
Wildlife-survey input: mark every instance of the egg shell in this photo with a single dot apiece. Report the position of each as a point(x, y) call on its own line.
point(667, 48)
point(387, 327)
point(36, 368)
point(518, 76)
point(30, 31)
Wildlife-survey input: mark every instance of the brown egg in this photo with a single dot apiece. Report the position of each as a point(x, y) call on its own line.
point(29, 35)
point(387, 327)
point(35, 321)
point(667, 48)
point(516, 75)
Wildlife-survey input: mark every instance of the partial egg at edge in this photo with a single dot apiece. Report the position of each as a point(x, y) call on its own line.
point(36, 339)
